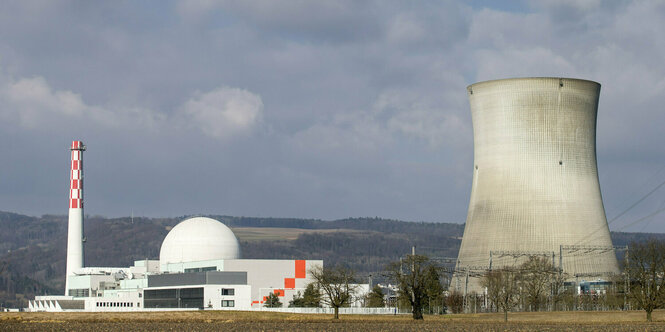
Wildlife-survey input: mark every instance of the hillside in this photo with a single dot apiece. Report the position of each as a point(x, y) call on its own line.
point(33, 248)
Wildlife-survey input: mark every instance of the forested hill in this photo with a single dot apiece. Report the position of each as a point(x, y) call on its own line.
point(32, 249)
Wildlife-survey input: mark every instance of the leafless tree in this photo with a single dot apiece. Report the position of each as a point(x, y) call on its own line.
point(338, 285)
point(559, 291)
point(455, 302)
point(536, 279)
point(646, 268)
point(503, 289)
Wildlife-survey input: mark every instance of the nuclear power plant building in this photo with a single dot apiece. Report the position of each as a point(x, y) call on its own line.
point(199, 267)
point(535, 188)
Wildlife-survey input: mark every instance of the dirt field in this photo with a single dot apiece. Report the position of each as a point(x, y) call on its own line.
point(271, 233)
point(267, 321)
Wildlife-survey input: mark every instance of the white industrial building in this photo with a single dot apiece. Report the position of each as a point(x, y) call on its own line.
point(199, 266)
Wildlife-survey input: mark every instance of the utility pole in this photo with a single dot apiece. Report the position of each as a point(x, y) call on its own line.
point(552, 281)
point(626, 290)
point(413, 274)
point(560, 259)
point(466, 287)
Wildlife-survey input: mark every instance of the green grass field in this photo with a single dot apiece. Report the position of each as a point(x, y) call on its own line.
point(269, 321)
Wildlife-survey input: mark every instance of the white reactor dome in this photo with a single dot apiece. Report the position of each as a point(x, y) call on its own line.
point(199, 239)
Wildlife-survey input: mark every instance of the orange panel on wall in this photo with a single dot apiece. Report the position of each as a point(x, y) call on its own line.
point(289, 282)
point(301, 270)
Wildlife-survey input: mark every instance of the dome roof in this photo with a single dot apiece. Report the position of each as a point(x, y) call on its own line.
point(199, 239)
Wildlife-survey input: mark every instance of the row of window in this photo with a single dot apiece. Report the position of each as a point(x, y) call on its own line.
point(201, 269)
point(79, 292)
point(228, 303)
point(118, 304)
point(173, 298)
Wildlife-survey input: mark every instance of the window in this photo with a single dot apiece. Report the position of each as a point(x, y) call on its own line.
point(228, 291)
point(82, 292)
point(173, 298)
point(228, 303)
point(201, 269)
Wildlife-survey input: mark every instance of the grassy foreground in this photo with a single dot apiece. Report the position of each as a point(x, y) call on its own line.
point(269, 321)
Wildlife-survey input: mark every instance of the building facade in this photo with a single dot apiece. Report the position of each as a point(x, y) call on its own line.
point(182, 281)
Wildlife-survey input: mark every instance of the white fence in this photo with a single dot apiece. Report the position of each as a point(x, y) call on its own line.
point(342, 311)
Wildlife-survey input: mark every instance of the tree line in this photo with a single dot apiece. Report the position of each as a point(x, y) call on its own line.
point(537, 285)
point(534, 285)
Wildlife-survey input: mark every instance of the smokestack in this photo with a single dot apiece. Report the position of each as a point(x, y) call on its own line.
point(75, 229)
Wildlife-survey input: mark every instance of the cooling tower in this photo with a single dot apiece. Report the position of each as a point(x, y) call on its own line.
point(75, 224)
point(535, 188)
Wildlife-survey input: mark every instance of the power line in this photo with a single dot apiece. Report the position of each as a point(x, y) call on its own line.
point(650, 220)
point(638, 202)
point(622, 213)
point(643, 218)
point(647, 182)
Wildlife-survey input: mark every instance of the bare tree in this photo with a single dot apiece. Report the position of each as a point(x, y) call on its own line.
point(536, 279)
point(338, 286)
point(502, 289)
point(455, 302)
point(558, 289)
point(646, 268)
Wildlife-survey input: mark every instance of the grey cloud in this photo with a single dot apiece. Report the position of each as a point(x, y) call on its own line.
point(345, 108)
point(314, 21)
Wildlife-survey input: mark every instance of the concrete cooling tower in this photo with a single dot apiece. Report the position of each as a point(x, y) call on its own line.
point(535, 189)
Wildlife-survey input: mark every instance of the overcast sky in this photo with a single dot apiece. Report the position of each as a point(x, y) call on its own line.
point(308, 109)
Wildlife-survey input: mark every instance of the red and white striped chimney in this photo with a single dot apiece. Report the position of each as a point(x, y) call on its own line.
point(75, 228)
